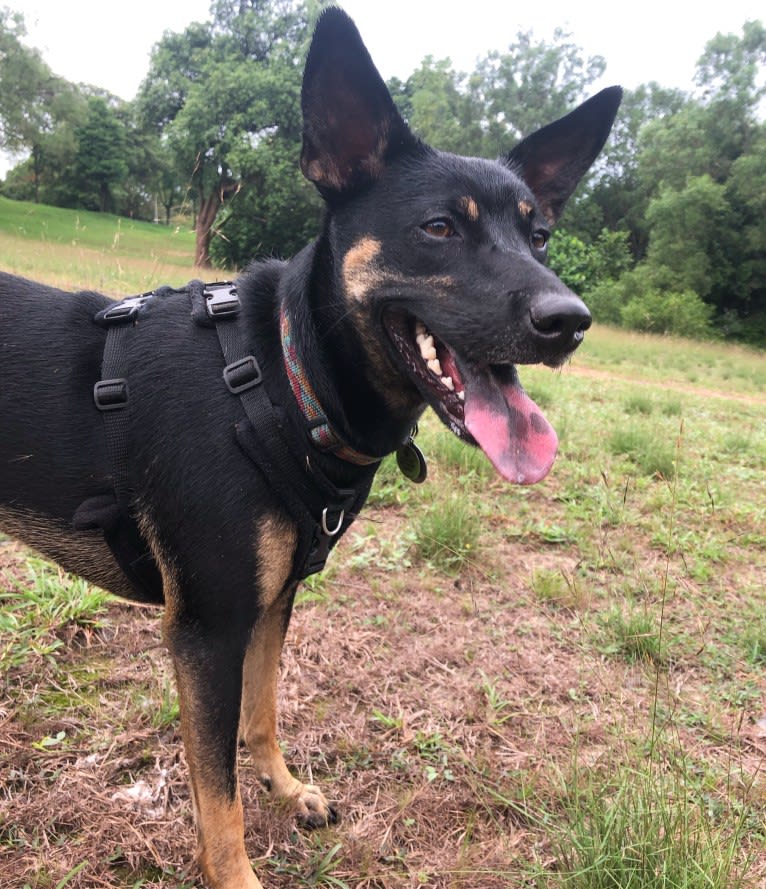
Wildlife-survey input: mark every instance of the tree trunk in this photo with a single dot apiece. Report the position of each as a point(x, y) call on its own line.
point(36, 164)
point(209, 205)
point(208, 210)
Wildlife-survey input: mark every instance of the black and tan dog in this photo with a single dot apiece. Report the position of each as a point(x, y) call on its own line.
point(204, 448)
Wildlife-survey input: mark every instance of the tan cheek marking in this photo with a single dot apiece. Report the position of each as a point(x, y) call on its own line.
point(275, 544)
point(359, 273)
point(525, 208)
point(471, 209)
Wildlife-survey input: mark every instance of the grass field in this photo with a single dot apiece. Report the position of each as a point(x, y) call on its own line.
point(556, 686)
point(81, 250)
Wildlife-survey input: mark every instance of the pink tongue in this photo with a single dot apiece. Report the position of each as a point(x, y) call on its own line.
point(510, 428)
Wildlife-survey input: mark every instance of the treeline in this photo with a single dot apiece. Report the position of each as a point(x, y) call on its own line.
point(668, 233)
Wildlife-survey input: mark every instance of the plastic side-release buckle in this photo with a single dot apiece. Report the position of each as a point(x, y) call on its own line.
point(125, 311)
point(221, 301)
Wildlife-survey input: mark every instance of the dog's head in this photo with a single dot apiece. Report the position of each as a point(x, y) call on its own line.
point(442, 257)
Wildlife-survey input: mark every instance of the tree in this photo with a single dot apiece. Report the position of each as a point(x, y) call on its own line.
point(100, 159)
point(530, 85)
point(617, 197)
point(731, 67)
point(746, 190)
point(435, 102)
point(35, 105)
point(218, 92)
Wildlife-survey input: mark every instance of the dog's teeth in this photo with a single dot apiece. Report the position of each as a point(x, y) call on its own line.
point(447, 381)
point(420, 329)
point(435, 367)
point(428, 349)
point(461, 396)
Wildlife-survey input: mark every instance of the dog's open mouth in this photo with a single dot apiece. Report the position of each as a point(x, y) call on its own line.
point(482, 403)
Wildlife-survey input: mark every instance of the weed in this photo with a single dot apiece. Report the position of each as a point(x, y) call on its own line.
point(314, 588)
point(500, 708)
point(435, 752)
point(447, 535)
point(372, 549)
point(390, 487)
point(639, 403)
point(645, 830)
point(650, 452)
point(556, 588)
point(673, 407)
point(635, 637)
point(167, 713)
point(753, 641)
point(453, 454)
point(319, 869)
point(389, 723)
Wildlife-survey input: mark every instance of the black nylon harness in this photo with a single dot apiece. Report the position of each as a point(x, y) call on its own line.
point(320, 509)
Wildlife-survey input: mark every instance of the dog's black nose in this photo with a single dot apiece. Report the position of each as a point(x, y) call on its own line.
point(559, 321)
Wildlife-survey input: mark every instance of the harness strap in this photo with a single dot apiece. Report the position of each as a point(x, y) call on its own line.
point(111, 395)
point(321, 510)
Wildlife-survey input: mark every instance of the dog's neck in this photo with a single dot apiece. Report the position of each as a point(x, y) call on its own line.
point(320, 431)
point(326, 344)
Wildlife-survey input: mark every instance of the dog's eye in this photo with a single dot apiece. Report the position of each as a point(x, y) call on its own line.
point(539, 239)
point(439, 228)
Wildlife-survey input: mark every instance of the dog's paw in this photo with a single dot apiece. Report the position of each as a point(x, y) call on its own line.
point(312, 808)
point(306, 801)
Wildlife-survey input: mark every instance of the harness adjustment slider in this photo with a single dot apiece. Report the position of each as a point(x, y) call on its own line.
point(111, 395)
point(242, 375)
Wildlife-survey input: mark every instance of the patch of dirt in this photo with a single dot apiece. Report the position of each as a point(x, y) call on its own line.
point(439, 713)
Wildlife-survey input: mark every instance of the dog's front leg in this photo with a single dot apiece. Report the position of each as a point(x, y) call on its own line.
point(259, 720)
point(208, 665)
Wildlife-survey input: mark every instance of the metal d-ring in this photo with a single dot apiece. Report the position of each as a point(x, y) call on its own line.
point(335, 530)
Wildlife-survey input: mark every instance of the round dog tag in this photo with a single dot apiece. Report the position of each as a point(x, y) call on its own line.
point(411, 462)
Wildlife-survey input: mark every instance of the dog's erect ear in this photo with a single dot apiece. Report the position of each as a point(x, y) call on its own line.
point(554, 159)
point(350, 123)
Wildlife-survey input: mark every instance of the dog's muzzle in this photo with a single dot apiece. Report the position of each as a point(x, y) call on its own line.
point(557, 324)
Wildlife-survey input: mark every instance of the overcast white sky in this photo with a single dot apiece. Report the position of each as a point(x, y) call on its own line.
point(108, 43)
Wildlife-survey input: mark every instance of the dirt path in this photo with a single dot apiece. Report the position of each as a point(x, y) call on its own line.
point(675, 385)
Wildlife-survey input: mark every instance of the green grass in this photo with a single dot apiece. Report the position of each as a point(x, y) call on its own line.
point(663, 360)
point(652, 454)
point(644, 829)
point(80, 250)
point(634, 636)
point(446, 535)
point(33, 611)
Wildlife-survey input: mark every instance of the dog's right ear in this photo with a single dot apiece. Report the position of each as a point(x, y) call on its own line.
point(351, 126)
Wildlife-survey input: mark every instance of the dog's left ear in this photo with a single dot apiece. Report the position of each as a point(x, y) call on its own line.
point(351, 126)
point(554, 159)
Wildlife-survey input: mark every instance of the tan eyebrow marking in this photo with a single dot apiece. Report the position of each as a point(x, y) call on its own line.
point(469, 206)
point(525, 208)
